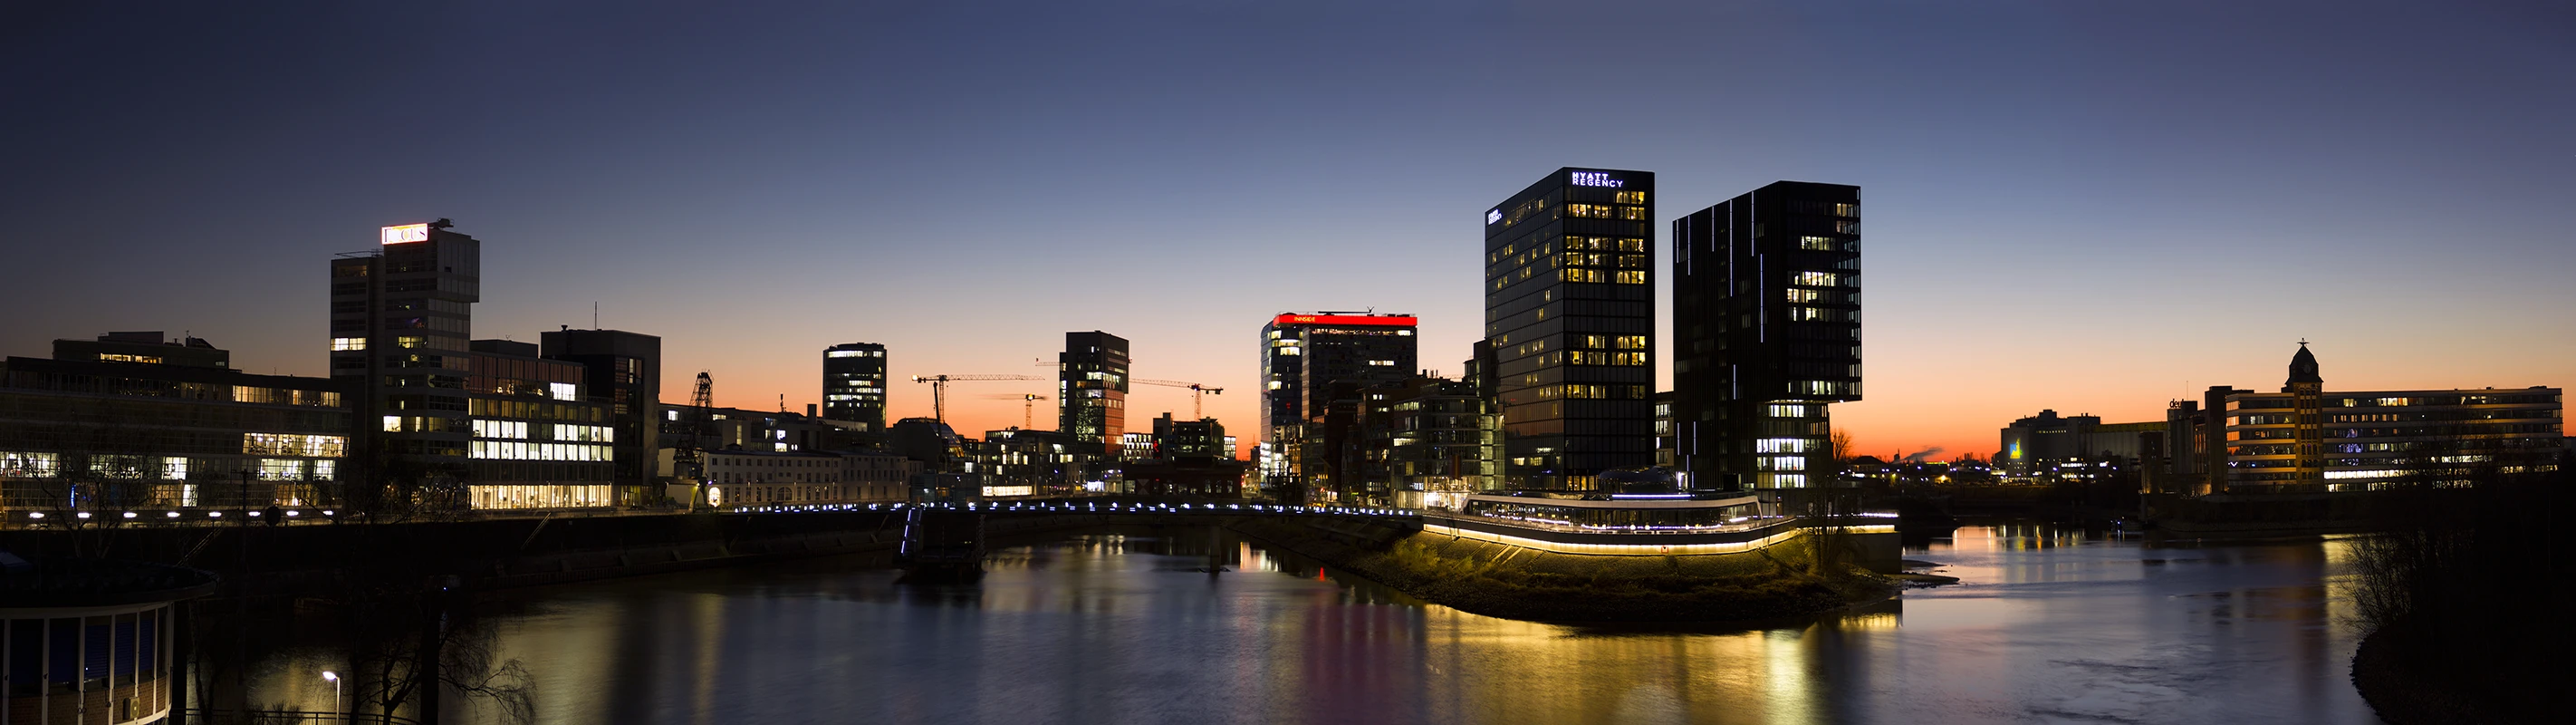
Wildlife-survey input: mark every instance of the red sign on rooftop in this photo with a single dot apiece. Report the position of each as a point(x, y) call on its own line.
point(1384, 320)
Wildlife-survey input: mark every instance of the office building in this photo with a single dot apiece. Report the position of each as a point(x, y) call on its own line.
point(624, 370)
point(144, 347)
point(1423, 435)
point(448, 421)
point(2040, 444)
point(401, 334)
point(538, 438)
point(1302, 353)
point(1766, 323)
point(93, 432)
point(1092, 375)
point(854, 385)
point(1569, 315)
point(1189, 461)
point(2307, 439)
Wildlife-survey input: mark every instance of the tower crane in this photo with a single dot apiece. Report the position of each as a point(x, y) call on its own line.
point(1196, 412)
point(1028, 408)
point(939, 389)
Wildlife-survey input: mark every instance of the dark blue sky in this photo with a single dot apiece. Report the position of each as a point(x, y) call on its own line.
point(2090, 206)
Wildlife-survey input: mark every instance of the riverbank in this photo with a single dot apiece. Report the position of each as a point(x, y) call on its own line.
point(1518, 583)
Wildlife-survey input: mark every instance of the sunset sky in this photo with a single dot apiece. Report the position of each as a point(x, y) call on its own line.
point(2066, 205)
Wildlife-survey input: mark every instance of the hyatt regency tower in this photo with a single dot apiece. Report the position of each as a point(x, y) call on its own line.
point(1569, 313)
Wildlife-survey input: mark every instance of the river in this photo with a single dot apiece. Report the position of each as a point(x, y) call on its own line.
point(2047, 625)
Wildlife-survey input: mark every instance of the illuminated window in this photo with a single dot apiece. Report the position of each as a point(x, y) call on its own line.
point(1634, 276)
point(348, 343)
point(563, 391)
point(1780, 445)
point(1815, 279)
point(291, 444)
point(1631, 197)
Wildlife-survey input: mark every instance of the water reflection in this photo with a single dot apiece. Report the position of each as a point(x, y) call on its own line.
point(2048, 624)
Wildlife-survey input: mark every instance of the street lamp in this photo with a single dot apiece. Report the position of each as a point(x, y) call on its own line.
point(334, 677)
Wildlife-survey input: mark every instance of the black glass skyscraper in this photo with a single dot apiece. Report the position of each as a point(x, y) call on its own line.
point(854, 385)
point(1766, 319)
point(1569, 312)
point(1092, 375)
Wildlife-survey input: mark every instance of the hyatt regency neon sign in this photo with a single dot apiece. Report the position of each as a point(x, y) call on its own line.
point(405, 233)
point(1596, 178)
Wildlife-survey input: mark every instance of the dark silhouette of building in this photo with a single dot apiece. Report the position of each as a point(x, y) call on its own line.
point(854, 385)
point(1188, 462)
point(623, 369)
point(1092, 374)
point(1569, 316)
point(1302, 353)
point(146, 348)
point(1766, 322)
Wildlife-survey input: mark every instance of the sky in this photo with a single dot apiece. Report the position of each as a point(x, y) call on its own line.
point(2092, 207)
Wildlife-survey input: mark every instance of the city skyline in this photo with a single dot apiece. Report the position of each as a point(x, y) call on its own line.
point(2102, 254)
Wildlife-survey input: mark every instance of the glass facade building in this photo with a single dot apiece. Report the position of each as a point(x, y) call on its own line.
point(1569, 316)
point(1092, 385)
point(1303, 352)
point(1766, 319)
point(854, 385)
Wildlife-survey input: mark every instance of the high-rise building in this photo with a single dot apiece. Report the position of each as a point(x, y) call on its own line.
point(854, 385)
point(401, 328)
point(623, 369)
point(1569, 314)
point(1092, 375)
point(1302, 353)
point(445, 420)
point(1766, 318)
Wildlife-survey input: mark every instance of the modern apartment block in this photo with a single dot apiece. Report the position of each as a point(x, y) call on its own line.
point(623, 369)
point(1303, 353)
point(1569, 315)
point(1092, 385)
point(854, 385)
point(2308, 439)
point(1766, 322)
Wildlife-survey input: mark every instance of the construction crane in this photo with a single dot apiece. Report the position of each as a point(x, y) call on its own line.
point(1028, 408)
point(939, 389)
point(684, 458)
point(1196, 413)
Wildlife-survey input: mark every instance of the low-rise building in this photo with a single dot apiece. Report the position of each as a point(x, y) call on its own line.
point(2308, 439)
point(123, 423)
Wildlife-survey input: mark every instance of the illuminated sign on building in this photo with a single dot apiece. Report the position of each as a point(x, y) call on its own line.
point(1596, 178)
point(1386, 320)
point(1493, 216)
point(406, 233)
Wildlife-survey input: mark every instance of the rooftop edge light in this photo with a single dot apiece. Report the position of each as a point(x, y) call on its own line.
point(1378, 320)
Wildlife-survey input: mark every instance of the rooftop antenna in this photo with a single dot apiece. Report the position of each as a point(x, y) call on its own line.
point(594, 314)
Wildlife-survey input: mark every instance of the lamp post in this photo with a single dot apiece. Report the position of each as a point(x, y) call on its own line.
point(334, 677)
